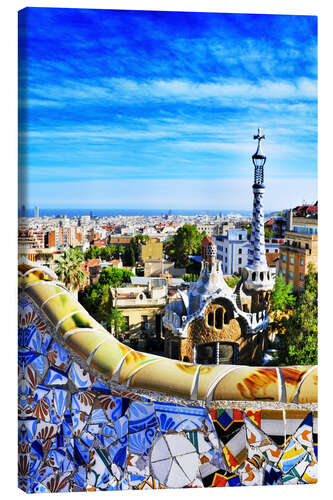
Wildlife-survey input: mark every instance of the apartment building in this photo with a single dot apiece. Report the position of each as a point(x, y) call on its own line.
point(299, 250)
point(232, 250)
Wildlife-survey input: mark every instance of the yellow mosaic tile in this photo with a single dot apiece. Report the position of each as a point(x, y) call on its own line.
point(250, 384)
point(132, 362)
point(43, 290)
point(309, 389)
point(60, 306)
point(292, 376)
point(107, 357)
point(208, 377)
point(85, 341)
point(79, 320)
point(167, 376)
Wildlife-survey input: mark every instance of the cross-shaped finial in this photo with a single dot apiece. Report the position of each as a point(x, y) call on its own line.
point(259, 136)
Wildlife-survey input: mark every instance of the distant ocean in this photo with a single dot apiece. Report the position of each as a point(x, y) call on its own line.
point(113, 212)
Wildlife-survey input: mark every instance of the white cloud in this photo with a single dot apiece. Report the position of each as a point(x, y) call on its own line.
point(219, 194)
point(222, 90)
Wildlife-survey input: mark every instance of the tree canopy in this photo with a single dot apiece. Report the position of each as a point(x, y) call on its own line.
point(190, 277)
point(187, 241)
point(69, 269)
point(114, 276)
point(299, 343)
point(231, 281)
point(268, 233)
point(282, 297)
point(96, 298)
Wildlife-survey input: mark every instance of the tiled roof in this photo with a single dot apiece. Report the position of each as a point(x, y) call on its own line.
point(99, 351)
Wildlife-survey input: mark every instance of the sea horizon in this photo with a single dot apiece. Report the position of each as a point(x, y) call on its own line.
point(114, 212)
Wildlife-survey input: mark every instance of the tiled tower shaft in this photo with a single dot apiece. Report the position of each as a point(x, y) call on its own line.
point(256, 255)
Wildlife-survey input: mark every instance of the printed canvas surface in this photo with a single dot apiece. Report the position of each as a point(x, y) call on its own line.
point(167, 250)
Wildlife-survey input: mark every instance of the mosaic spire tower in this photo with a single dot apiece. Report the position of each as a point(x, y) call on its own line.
point(257, 275)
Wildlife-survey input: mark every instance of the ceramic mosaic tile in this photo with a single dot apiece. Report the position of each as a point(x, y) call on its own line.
point(78, 434)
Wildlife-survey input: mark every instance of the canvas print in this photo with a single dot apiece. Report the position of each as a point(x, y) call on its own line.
point(167, 250)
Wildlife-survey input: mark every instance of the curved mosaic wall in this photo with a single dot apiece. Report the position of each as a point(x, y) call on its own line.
point(97, 415)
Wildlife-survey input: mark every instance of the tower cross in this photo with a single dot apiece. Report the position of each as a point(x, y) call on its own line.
point(259, 136)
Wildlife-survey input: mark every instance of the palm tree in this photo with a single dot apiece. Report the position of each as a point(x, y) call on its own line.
point(69, 270)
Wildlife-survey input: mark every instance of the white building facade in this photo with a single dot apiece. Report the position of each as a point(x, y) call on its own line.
point(232, 250)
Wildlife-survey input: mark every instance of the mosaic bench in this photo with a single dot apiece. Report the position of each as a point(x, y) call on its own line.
point(95, 414)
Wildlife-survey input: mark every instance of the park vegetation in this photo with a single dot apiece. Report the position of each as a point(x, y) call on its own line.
point(187, 241)
point(96, 298)
point(296, 317)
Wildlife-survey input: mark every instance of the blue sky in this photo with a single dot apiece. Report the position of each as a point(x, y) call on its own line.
point(130, 109)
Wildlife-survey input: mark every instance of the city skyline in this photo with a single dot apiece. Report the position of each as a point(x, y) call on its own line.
point(130, 108)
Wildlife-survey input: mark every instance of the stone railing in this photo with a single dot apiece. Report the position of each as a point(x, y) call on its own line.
point(95, 414)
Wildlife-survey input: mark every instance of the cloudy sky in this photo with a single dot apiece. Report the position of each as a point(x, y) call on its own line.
point(129, 109)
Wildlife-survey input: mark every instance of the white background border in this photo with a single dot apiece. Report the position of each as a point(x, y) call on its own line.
point(8, 231)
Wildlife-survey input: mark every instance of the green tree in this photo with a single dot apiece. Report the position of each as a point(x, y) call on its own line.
point(136, 242)
point(268, 233)
point(108, 253)
point(117, 322)
point(92, 253)
point(282, 297)
point(248, 228)
point(299, 343)
point(69, 269)
point(115, 277)
point(231, 281)
point(120, 251)
point(190, 278)
point(132, 260)
point(187, 241)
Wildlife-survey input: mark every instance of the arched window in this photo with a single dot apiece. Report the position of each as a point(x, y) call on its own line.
point(210, 319)
point(219, 318)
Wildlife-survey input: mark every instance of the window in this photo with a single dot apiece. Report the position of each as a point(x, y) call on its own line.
point(301, 277)
point(174, 350)
point(240, 260)
point(144, 321)
point(226, 259)
point(291, 275)
point(276, 250)
point(219, 318)
point(291, 260)
point(301, 262)
point(284, 258)
point(225, 353)
point(240, 250)
point(267, 250)
point(239, 236)
point(210, 319)
point(283, 272)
